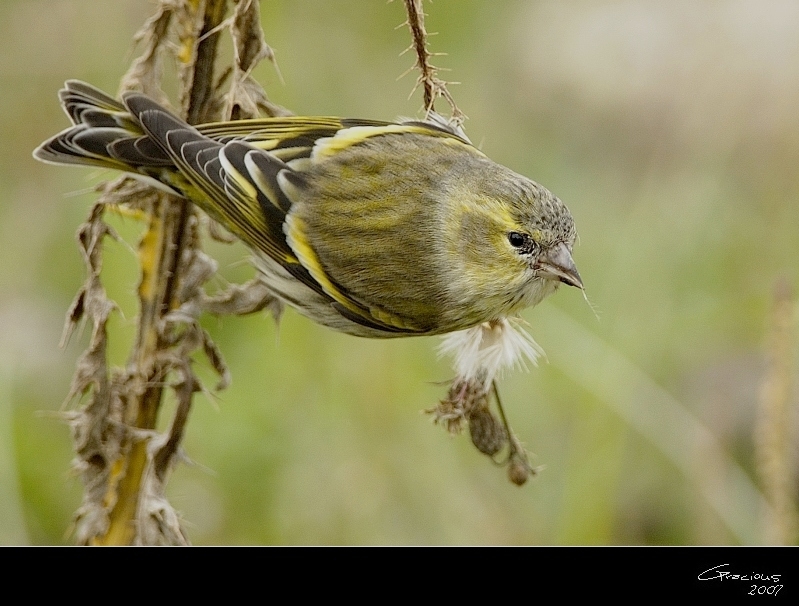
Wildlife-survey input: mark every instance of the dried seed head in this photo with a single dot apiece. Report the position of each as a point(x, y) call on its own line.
point(518, 471)
point(463, 398)
point(468, 395)
point(487, 433)
point(519, 467)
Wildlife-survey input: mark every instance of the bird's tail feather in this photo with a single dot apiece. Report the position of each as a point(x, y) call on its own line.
point(98, 121)
point(126, 136)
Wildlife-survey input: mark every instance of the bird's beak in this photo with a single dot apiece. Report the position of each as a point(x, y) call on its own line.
point(557, 264)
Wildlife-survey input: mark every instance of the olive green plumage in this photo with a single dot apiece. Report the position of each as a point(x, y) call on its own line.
point(373, 228)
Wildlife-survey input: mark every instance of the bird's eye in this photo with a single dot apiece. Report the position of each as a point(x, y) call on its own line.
point(516, 239)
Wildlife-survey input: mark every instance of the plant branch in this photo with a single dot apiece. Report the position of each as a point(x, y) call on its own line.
point(432, 86)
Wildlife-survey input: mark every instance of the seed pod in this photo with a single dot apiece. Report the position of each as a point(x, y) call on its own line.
point(487, 433)
point(518, 471)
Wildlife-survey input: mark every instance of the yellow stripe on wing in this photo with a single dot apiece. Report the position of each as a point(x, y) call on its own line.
point(277, 129)
point(354, 135)
point(374, 318)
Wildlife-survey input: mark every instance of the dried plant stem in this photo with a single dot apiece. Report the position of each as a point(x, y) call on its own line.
point(419, 35)
point(165, 248)
point(159, 253)
point(432, 86)
point(199, 80)
point(123, 460)
point(775, 436)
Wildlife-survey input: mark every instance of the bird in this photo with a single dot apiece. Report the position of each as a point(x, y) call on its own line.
point(375, 229)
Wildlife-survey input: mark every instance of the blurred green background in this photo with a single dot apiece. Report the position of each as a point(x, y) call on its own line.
point(671, 131)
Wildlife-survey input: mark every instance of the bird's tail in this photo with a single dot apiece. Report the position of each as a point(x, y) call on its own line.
point(98, 122)
point(111, 134)
point(219, 173)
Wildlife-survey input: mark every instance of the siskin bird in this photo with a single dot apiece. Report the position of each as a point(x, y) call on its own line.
point(375, 229)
